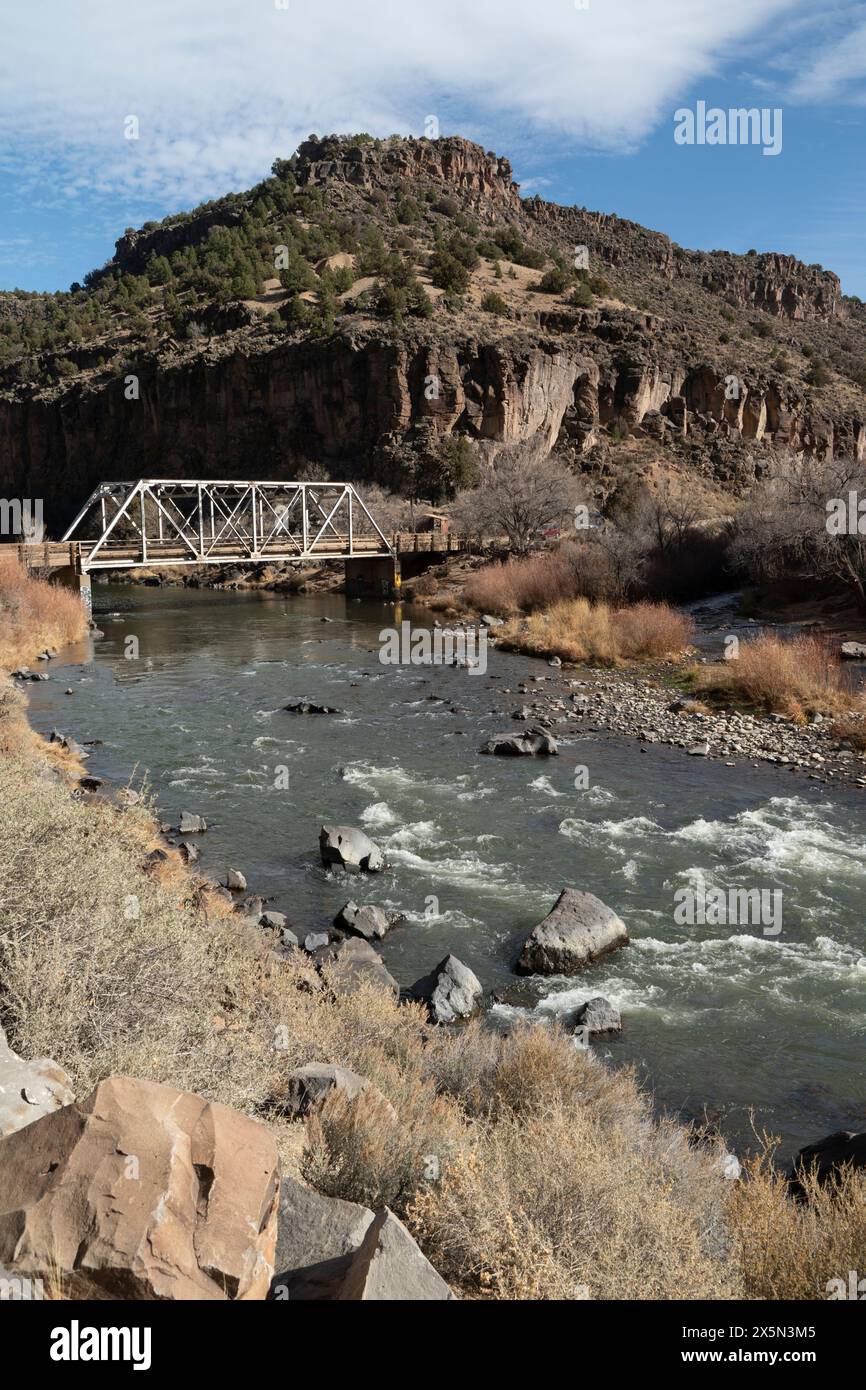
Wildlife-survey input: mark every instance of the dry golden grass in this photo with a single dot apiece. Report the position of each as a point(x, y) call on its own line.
point(35, 615)
point(793, 677)
point(792, 1250)
point(580, 631)
point(556, 1180)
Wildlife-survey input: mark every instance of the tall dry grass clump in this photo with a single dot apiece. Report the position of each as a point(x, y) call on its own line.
point(34, 615)
point(580, 631)
point(793, 1250)
point(783, 676)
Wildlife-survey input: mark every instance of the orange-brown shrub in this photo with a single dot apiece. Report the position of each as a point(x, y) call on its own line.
point(784, 677)
point(35, 615)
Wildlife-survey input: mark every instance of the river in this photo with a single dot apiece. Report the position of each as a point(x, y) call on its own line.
point(723, 1021)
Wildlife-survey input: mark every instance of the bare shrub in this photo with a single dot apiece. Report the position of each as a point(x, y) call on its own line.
point(782, 527)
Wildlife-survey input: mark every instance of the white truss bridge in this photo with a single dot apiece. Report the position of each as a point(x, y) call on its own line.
point(170, 521)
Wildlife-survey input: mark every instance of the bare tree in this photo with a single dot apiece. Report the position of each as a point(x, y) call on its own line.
point(804, 518)
point(518, 496)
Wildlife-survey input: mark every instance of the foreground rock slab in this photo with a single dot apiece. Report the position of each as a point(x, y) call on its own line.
point(29, 1090)
point(351, 848)
point(578, 930)
point(141, 1191)
point(389, 1266)
point(328, 1249)
point(451, 991)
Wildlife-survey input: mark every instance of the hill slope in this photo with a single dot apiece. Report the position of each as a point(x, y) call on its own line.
point(372, 298)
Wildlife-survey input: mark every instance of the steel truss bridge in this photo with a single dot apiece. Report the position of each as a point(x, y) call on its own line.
point(170, 521)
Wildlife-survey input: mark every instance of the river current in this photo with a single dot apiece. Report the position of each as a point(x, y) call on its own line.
point(725, 1020)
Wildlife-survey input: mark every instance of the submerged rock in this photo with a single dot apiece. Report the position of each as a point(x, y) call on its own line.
point(532, 743)
point(305, 707)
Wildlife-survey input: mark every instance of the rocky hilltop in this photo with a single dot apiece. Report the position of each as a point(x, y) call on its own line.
point(372, 298)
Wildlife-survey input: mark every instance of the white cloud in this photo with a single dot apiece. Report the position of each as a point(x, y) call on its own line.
point(221, 87)
point(836, 68)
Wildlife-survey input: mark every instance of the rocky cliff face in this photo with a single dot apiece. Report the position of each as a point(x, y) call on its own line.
point(705, 357)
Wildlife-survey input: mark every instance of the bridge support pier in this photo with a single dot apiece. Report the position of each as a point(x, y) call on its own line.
point(70, 578)
point(376, 577)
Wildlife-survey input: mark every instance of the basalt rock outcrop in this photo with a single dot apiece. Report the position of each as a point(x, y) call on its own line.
point(689, 351)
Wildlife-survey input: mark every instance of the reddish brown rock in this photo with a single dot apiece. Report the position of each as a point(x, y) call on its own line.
point(141, 1191)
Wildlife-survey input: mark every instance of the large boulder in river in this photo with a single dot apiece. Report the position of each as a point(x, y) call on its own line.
point(598, 1015)
point(575, 932)
point(141, 1192)
point(29, 1090)
point(533, 743)
point(451, 991)
point(828, 1156)
point(343, 844)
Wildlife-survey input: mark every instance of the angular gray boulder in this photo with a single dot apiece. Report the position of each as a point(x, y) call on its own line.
point(331, 1250)
point(316, 1237)
point(451, 991)
point(29, 1090)
point(350, 848)
point(598, 1015)
point(191, 824)
point(308, 1087)
point(578, 930)
point(390, 1267)
point(369, 921)
point(350, 964)
point(828, 1156)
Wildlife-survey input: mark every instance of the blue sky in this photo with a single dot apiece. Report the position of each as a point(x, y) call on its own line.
point(581, 97)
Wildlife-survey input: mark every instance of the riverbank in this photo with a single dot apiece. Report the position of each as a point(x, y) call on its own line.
point(559, 1173)
point(188, 992)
